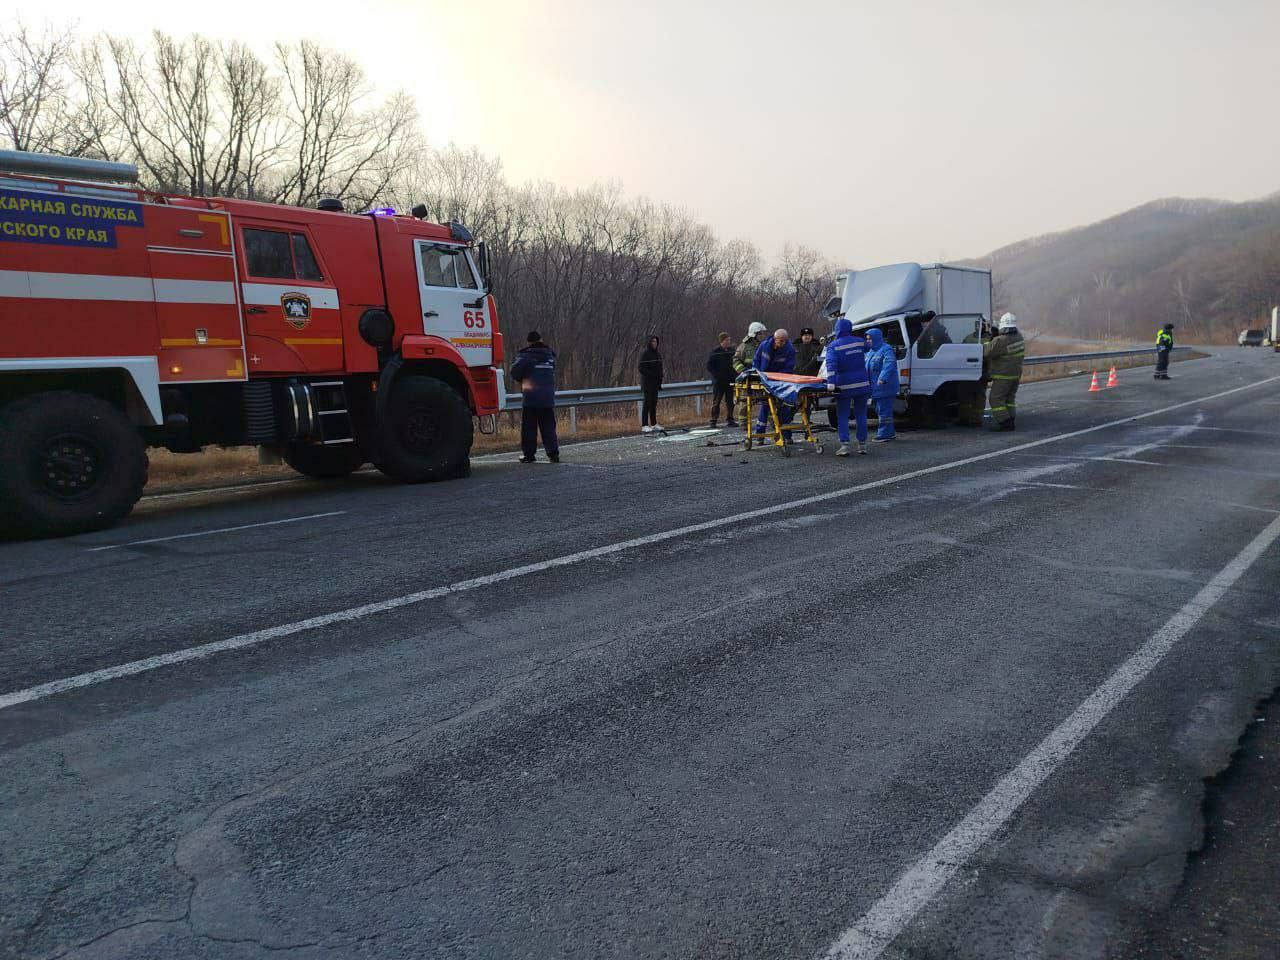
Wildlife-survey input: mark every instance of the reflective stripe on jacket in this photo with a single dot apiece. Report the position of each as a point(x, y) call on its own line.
point(882, 366)
point(1004, 356)
point(846, 365)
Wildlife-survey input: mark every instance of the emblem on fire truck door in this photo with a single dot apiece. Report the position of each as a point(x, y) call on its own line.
point(297, 309)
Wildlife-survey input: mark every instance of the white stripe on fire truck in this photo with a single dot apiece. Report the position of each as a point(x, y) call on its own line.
point(195, 291)
point(269, 294)
point(88, 286)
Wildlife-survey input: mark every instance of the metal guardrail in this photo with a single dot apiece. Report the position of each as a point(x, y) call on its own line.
point(1099, 355)
point(592, 396)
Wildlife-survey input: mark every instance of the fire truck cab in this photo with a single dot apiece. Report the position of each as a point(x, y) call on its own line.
point(131, 319)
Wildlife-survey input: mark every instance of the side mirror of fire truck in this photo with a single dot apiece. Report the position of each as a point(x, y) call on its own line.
point(482, 261)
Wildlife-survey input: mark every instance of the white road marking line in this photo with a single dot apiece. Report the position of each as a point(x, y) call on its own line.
point(913, 891)
point(1255, 433)
point(256, 637)
point(211, 491)
point(1055, 486)
point(209, 533)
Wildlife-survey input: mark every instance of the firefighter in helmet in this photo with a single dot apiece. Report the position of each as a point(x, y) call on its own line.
point(1003, 359)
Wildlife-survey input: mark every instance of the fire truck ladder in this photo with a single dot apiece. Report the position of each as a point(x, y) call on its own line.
point(332, 418)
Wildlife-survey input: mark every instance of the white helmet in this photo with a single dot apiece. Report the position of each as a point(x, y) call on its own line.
point(756, 329)
point(1008, 322)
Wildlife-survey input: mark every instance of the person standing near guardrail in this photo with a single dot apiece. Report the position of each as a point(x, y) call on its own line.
point(847, 377)
point(535, 369)
point(650, 383)
point(720, 366)
point(882, 371)
point(1003, 359)
point(1164, 347)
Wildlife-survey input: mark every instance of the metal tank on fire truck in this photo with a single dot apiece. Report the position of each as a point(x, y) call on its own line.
point(131, 319)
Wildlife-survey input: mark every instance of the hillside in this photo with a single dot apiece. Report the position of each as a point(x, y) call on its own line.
point(1209, 266)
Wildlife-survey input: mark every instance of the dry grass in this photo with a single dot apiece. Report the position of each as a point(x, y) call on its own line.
point(217, 467)
point(1039, 347)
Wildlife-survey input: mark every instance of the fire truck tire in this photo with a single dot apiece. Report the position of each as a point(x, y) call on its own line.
point(426, 433)
point(324, 463)
point(69, 463)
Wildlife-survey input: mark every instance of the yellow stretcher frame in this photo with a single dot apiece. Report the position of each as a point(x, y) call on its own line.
point(749, 390)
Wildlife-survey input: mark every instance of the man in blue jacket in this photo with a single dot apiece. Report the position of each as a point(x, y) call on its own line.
point(847, 376)
point(535, 369)
point(882, 371)
point(775, 355)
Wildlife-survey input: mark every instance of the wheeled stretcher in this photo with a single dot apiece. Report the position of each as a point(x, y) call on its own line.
point(784, 395)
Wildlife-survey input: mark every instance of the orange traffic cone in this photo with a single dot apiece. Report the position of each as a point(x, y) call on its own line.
point(1112, 379)
point(1093, 387)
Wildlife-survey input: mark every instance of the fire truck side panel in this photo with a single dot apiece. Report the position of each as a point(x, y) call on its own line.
point(85, 292)
point(289, 297)
point(193, 272)
point(350, 251)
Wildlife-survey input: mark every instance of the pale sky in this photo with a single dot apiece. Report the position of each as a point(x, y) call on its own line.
point(874, 131)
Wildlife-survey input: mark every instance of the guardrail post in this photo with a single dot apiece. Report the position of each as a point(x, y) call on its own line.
point(697, 404)
point(573, 419)
point(640, 410)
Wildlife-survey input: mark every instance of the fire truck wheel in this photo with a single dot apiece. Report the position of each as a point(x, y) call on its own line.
point(324, 463)
point(69, 463)
point(427, 431)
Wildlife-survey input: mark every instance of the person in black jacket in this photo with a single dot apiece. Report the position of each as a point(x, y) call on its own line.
point(535, 369)
point(809, 353)
point(720, 366)
point(650, 384)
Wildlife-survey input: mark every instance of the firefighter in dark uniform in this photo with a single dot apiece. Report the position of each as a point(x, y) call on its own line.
point(1003, 360)
point(1164, 347)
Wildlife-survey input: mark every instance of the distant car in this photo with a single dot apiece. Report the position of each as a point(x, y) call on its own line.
point(1252, 338)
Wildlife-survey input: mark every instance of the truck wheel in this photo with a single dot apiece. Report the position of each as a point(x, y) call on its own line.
point(324, 463)
point(925, 412)
point(426, 433)
point(69, 463)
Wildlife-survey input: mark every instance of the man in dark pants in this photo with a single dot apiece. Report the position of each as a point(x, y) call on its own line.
point(535, 369)
point(1164, 347)
point(720, 366)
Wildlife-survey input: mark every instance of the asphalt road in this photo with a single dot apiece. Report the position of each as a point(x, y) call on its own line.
point(660, 700)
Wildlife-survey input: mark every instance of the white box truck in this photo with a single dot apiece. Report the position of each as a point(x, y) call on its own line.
point(939, 358)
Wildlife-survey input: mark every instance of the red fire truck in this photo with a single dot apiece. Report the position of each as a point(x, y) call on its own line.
point(131, 319)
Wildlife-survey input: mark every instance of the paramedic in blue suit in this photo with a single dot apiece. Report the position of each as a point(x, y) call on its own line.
point(776, 355)
point(882, 371)
point(847, 376)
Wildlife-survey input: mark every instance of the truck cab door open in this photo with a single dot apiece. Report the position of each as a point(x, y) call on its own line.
point(949, 350)
point(453, 305)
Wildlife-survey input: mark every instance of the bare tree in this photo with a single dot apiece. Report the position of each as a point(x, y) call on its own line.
point(337, 143)
point(35, 81)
